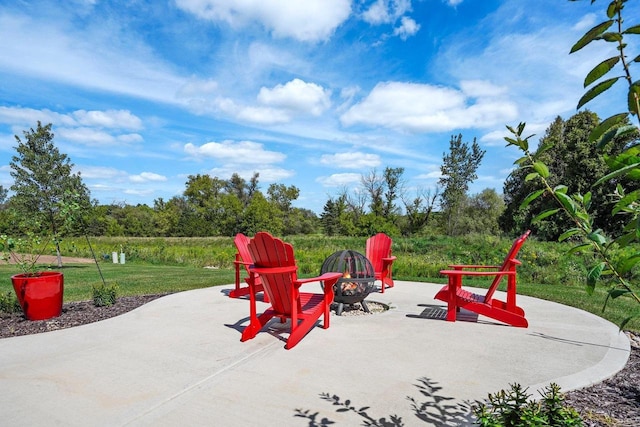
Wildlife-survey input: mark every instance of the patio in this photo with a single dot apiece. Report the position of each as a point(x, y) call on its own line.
point(179, 360)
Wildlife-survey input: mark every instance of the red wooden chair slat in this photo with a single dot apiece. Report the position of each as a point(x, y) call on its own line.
point(274, 264)
point(244, 261)
point(378, 251)
point(504, 311)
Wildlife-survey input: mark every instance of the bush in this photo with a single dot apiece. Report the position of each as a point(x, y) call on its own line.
point(9, 303)
point(513, 408)
point(105, 295)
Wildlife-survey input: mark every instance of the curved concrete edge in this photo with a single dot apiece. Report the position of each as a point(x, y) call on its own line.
point(614, 360)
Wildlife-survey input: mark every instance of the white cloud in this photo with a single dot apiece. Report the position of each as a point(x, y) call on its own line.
point(351, 160)
point(454, 2)
point(481, 88)
point(339, 179)
point(237, 153)
point(117, 119)
point(587, 21)
point(386, 11)
point(297, 96)
point(415, 108)
point(147, 177)
point(58, 51)
point(408, 27)
point(94, 137)
point(100, 172)
point(28, 117)
point(310, 20)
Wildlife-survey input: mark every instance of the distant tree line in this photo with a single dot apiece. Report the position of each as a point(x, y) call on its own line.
point(211, 206)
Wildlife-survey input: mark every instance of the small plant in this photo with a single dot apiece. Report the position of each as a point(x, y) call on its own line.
point(9, 303)
point(23, 252)
point(105, 295)
point(514, 408)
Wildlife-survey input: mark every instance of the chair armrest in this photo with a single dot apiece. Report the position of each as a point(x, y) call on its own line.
point(326, 277)
point(389, 259)
point(476, 267)
point(239, 263)
point(477, 273)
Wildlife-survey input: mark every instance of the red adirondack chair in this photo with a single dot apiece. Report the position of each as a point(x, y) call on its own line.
point(243, 260)
point(378, 251)
point(275, 264)
point(504, 311)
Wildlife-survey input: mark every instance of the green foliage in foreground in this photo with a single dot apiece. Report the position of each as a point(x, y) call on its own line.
point(177, 264)
point(513, 408)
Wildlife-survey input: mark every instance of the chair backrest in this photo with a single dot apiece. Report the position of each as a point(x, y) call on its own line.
point(509, 263)
point(273, 260)
point(378, 247)
point(242, 245)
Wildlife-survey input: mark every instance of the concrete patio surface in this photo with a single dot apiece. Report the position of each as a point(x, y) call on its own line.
point(178, 360)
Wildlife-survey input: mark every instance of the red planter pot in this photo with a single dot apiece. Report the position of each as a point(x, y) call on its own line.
point(40, 296)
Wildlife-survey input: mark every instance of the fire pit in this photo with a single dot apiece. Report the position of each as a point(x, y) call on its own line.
point(357, 281)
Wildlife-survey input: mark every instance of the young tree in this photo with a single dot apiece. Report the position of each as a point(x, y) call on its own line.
point(458, 171)
point(43, 182)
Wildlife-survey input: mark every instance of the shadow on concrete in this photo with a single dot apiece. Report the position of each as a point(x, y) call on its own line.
point(432, 408)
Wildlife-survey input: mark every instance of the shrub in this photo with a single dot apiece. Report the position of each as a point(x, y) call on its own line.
point(105, 295)
point(9, 303)
point(514, 408)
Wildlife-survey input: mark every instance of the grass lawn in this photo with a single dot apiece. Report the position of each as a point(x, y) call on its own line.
point(138, 278)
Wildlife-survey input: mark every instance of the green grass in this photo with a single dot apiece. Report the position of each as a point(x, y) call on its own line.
point(132, 278)
point(160, 265)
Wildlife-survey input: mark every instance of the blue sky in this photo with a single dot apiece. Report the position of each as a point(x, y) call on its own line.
point(311, 93)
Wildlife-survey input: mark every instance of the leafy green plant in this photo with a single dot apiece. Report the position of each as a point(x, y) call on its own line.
point(514, 407)
point(627, 163)
point(105, 295)
point(9, 303)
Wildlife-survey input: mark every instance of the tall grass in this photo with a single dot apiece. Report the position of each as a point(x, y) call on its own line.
point(157, 265)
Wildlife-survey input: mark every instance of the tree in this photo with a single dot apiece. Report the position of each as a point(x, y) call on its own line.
point(419, 210)
point(458, 171)
point(576, 161)
point(482, 211)
point(44, 182)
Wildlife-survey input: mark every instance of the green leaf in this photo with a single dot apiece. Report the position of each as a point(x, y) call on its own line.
point(591, 35)
point(611, 37)
point(600, 70)
point(587, 200)
point(636, 59)
point(521, 161)
point(593, 276)
point(544, 215)
point(597, 237)
point(625, 239)
point(560, 189)
point(541, 168)
point(634, 95)
point(580, 248)
point(624, 203)
point(615, 293)
point(567, 202)
point(628, 263)
point(569, 233)
point(530, 198)
point(596, 90)
point(531, 176)
point(612, 9)
point(625, 321)
point(632, 30)
point(621, 171)
point(605, 125)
